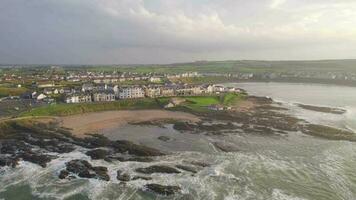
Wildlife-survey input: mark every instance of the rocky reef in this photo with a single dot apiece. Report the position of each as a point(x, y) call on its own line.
point(40, 143)
point(338, 111)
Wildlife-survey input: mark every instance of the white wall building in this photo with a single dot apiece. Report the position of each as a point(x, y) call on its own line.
point(131, 93)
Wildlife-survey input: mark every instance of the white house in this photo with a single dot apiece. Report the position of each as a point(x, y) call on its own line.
point(41, 97)
point(131, 92)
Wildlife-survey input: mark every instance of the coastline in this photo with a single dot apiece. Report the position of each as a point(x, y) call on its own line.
point(97, 121)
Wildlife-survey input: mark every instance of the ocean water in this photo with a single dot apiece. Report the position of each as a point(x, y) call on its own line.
point(290, 167)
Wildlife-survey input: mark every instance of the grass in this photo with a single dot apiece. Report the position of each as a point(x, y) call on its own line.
point(232, 99)
point(11, 91)
point(195, 103)
point(200, 103)
point(72, 109)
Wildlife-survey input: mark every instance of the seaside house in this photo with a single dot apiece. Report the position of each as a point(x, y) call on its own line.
point(153, 91)
point(104, 96)
point(78, 98)
point(131, 92)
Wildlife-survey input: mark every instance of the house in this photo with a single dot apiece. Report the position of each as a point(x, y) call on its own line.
point(104, 96)
point(41, 97)
point(48, 91)
point(153, 92)
point(78, 98)
point(155, 79)
point(87, 87)
point(167, 91)
point(188, 91)
point(131, 92)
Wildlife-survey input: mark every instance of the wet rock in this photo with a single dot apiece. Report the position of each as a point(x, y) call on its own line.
point(158, 169)
point(163, 190)
point(146, 178)
point(85, 170)
point(121, 176)
point(225, 147)
point(328, 132)
point(164, 138)
point(200, 163)
point(183, 126)
point(97, 154)
point(338, 111)
point(123, 146)
point(13, 147)
point(40, 159)
point(102, 173)
point(187, 168)
point(95, 141)
point(7, 161)
point(136, 159)
point(63, 174)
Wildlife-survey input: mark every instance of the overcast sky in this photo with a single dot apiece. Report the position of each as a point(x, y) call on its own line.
point(167, 31)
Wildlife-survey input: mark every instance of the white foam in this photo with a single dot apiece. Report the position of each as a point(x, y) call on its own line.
point(278, 194)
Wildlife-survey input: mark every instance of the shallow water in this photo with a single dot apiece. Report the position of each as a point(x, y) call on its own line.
point(289, 167)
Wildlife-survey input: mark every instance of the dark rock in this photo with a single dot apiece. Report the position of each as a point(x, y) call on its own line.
point(123, 176)
point(164, 138)
point(183, 126)
point(102, 173)
point(225, 147)
point(63, 174)
point(123, 146)
point(7, 161)
point(97, 154)
point(163, 190)
point(200, 164)
point(140, 159)
point(338, 111)
point(158, 169)
point(13, 147)
point(94, 141)
point(328, 132)
point(187, 168)
point(85, 170)
point(146, 178)
point(39, 159)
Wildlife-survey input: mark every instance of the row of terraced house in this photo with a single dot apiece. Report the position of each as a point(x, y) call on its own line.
point(90, 94)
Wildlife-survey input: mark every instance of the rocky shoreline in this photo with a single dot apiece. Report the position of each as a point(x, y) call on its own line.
point(337, 111)
point(40, 143)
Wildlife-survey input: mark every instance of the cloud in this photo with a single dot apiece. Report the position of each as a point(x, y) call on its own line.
point(160, 31)
point(276, 3)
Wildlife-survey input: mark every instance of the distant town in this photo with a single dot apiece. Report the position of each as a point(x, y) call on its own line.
point(25, 87)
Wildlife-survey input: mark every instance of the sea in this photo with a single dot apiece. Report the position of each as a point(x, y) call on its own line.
point(290, 167)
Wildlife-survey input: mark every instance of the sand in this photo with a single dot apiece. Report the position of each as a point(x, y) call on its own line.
point(98, 121)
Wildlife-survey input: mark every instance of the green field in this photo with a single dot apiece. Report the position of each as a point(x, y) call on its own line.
point(11, 91)
point(72, 109)
point(194, 103)
point(200, 103)
point(234, 66)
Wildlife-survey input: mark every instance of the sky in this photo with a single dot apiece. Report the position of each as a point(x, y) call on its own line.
point(170, 31)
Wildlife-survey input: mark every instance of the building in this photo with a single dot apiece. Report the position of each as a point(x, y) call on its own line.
point(79, 98)
point(188, 91)
point(41, 97)
point(103, 96)
point(131, 92)
point(153, 92)
point(87, 87)
point(167, 91)
point(155, 79)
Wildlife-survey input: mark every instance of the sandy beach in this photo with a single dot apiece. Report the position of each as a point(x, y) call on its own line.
point(95, 122)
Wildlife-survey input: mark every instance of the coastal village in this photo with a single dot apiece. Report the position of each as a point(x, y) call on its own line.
point(91, 92)
point(91, 87)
